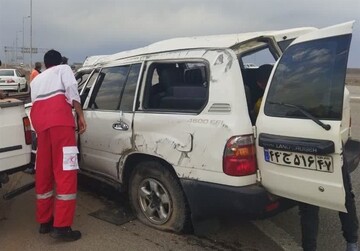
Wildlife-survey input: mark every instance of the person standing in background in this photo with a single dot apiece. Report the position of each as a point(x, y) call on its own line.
point(309, 219)
point(36, 71)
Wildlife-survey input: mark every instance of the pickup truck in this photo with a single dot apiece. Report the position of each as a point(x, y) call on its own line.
point(15, 138)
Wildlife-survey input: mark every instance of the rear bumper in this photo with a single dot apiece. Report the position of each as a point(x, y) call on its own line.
point(9, 88)
point(208, 200)
point(12, 87)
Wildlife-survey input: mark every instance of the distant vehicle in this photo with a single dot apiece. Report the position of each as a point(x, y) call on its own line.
point(12, 80)
point(250, 66)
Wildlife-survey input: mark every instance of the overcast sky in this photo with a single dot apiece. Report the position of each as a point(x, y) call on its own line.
point(80, 28)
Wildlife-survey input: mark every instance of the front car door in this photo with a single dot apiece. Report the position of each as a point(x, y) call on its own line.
point(299, 145)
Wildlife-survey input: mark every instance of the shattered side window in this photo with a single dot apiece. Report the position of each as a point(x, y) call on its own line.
point(180, 86)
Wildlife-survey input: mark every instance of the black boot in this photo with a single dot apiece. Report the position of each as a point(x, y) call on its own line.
point(46, 227)
point(65, 234)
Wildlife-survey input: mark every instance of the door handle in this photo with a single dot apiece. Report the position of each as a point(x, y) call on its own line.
point(121, 126)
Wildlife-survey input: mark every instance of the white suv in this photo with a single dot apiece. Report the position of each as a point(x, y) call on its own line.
point(171, 123)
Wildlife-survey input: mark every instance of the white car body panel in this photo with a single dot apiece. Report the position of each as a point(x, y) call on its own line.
point(324, 189)
point(178, 137)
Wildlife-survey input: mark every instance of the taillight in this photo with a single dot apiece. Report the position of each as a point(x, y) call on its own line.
point(239, 156)
point(10, 81)
point(27, 130)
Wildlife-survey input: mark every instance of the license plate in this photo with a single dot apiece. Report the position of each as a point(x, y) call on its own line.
point(300, 160)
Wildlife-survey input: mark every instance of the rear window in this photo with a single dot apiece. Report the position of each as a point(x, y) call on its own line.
point(6, 73)
point(310, 75)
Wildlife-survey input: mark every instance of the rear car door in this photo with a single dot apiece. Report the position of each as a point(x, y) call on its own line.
point(108, 113)
point(299, 145)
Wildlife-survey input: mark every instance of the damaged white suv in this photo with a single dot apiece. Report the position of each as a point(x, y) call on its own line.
point(172, 123)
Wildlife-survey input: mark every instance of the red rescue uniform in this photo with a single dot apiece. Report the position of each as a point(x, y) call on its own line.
point(52, 94)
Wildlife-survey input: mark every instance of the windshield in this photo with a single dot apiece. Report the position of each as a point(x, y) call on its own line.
point(310, 75)
point(6, 73)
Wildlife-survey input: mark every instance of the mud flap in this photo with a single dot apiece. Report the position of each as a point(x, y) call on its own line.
point(352, 154)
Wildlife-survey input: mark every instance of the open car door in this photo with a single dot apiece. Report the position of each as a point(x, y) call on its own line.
point(299, 146)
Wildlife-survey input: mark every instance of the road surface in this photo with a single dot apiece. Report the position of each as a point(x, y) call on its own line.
point(18, 229)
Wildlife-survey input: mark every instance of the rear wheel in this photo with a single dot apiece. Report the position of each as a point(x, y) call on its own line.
point(157, 197)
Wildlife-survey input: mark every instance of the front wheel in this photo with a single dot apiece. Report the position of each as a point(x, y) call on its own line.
point(157, 197)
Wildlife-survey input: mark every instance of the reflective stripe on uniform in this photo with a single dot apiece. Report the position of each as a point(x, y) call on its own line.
point(66, 196)
point(44, 195)
point(49, 94)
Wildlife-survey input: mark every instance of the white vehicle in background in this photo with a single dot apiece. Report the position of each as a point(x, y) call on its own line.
point(12, 80)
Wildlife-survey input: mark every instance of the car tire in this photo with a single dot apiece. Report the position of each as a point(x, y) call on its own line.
point(157, 198)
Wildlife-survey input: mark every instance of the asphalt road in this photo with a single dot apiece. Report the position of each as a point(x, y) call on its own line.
point(18, 229)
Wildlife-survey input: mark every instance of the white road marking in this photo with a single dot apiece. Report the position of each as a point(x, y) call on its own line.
point(278, 235)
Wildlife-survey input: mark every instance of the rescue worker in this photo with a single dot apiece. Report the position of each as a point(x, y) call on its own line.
point(54, 93)
point(36, 71)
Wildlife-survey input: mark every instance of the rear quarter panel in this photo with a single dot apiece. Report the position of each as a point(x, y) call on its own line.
point(194, 143)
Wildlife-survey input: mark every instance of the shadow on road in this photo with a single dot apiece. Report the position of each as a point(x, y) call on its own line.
point(117, 209)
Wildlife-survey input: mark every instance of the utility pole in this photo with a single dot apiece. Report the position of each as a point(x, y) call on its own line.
point(31, 18)
point(23, 41)
point(16, 47)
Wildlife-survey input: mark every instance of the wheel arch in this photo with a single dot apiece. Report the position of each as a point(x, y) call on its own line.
point(133, 159)
point(129, 167)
